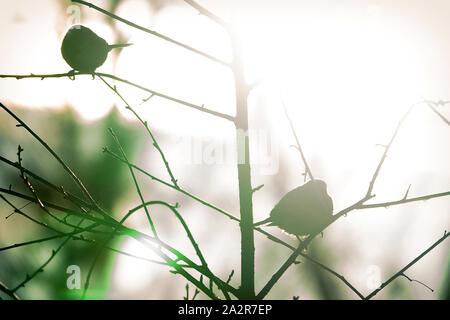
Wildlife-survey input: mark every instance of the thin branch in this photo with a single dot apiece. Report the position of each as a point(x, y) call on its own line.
point(79, 238)
point(257, 188)
point(53, 206)
point(157, 34)
point(9, 292)
point(155, 93)
point(312, 260)
point(138, 236)
point(419, 282)
point(277, 275)
point(403, 201)
point(17, 210)
point(41, 268)
point(72, 198)
point(402, 271)
point(145, 124)
point(185, 227)
point(30, 186)
point(204, 269)
point(298, 147)
point(380, 164)
point(138, 189)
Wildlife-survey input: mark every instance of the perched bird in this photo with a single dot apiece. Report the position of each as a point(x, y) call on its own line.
point(85, 51)
point(303, 211)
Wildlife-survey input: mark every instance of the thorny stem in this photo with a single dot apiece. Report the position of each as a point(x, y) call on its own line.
point(201, 108)
point(145, 124)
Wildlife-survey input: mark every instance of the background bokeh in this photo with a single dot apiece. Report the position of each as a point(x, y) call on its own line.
point(346, 70)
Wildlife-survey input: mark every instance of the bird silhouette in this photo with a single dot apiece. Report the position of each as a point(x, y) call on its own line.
point(303, 211)
point(84, 50)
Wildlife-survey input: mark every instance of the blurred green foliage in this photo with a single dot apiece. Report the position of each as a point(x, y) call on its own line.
point(80, 146)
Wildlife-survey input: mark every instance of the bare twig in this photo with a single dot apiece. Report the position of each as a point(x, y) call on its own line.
point(9, 292)
point(204, 269)
point(402, 271)
point(138, 189)
point(312, 260)
point(257, 188)
point(140, 237)
point(419, 282)
point(28, 278)
point(72, 198)
point(298, 146)
point(403, 201)
point(53, 206)
point(145, 124)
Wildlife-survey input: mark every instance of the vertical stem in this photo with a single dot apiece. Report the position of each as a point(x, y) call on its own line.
point(244, 175)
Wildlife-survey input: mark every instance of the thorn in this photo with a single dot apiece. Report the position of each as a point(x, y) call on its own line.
point(9, 215)
point(257, 188)
point(146, 99)
point(407, 192)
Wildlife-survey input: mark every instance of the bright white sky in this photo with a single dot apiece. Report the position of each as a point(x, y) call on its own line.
point(346, 72)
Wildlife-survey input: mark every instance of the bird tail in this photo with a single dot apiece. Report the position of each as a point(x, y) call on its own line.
point(118, 45)
point(262, 222)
